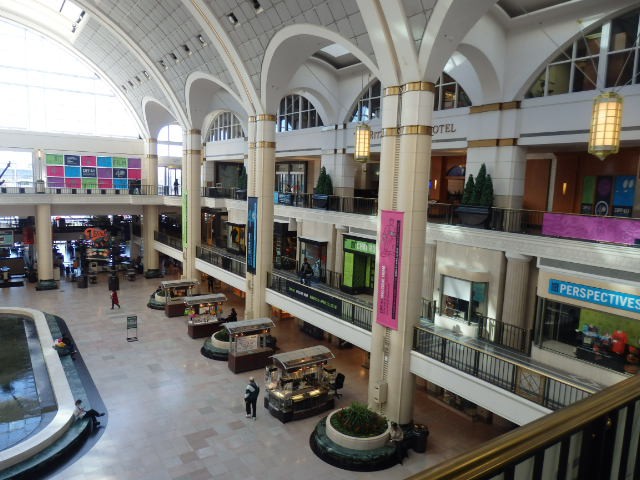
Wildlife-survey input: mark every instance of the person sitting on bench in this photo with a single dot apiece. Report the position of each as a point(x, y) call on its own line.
point(80, 412)
point(306, 273)
point(396, 438)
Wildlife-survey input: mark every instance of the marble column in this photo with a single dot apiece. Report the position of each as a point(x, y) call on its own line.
point(44, 247)
point(339, 249)
point(191, 203)
point(404, 177)
point(261, 183)
point(151, 258)
point(429, 270)
point(516, 289)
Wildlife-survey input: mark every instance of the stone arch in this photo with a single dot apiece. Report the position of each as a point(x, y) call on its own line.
point(289, 49)
point(156, 116)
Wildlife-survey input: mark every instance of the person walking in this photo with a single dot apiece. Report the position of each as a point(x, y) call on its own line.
point(251, 398)
point(79, 412)
point(114, 299)
point(176, 185)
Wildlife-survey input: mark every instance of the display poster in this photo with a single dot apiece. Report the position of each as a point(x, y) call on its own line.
point(90, 171)
point(246, 343)
point(132, 328)
point(72, 160)
point(252, 233)
point(360, 245)
point(389, 268)
point(623, 195)
point(6, 238)
point(347, 269)
point(588, 195)
point(314, 298)
point(604, 186)
point(615, 230)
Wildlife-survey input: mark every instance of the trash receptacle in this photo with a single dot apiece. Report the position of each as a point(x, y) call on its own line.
point(420, 434)
point(83, 281)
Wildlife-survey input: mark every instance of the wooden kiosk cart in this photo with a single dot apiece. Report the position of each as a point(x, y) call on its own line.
point(248, 344)
point(298, 383)
point(205, 314)
point(174, 293)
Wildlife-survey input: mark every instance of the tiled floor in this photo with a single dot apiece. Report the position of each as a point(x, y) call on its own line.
point(174, 414)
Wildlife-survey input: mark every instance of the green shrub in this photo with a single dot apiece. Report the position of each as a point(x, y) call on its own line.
point(324, 185)
point(479, 191)
point(222, 335)
point(357, 420)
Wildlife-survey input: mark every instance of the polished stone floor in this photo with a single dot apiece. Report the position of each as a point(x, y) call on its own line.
point(174, 414)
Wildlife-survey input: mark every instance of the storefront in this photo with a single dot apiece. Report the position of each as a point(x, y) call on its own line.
point(315, 252)
point(284, 246)
point(236, 242)
point(291, 177)
point(598, 322)
point(359, 266)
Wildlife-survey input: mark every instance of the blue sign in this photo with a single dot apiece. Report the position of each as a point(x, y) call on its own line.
point(252, 233)
point(599, 296)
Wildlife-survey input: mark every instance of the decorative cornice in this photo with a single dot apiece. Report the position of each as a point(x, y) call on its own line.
point(192, 152)
point(390, 132)
point(265, 144)
point(390, 91)
point(266, 117)
point(252, 119)
point(194, 131)
point(418, 87)
point(507, 142)
point(494, 107)
point(252, 145)
point(416, 130)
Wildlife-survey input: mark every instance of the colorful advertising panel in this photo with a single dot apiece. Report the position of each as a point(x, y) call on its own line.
point(90, 171)
point(252, 233)
point(623, 195)
point(614, 230)
point(389, 269)
point(598, 296)
point(106, 162)
point(88, 161)
point(72, 160)
point(53, 159)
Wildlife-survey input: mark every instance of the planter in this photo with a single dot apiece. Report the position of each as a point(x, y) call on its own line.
point(474, 216)
point(219, 344)
point(355, 443)
point(320, 201)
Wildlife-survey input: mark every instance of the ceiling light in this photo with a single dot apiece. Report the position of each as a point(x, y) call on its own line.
point(130, 83)
point(257, 7)
point(162, 64)
point(146, 74)
point(174, 57)
point(187, 49)
point(233, 20)
point(202, 41)
point(138, 79)
point(73, 28)
point(123, 88)
point(80, 17)
point(363, 143)
point(606, 124)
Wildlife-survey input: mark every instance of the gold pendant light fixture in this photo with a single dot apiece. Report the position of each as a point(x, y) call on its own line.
point(363, 143)
point(606, 124)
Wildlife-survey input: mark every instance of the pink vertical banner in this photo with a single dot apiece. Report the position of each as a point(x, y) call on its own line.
point(389, 268)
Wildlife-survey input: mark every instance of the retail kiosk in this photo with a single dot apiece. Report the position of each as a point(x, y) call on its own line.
point(205, 314)
point(298, 383)
point(174, 292)
point(249, 344)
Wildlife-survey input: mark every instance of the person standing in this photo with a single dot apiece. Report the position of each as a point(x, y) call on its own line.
point(176, 185)
point(306, 272)
point(80, 412)
point(114, 299)
point(251, 398)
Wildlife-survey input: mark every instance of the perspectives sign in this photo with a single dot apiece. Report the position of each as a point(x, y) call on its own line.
point(598, 296)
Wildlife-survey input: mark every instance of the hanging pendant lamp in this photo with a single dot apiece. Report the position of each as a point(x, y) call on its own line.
point(606, 124)
point(363, 143)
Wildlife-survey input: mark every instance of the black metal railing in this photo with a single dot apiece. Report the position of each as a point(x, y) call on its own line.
point(505, 334)
point(594, 438)
point(341, 307)
point(335, 203)
point(173, 242)
point(222, 260)
point(523, 380)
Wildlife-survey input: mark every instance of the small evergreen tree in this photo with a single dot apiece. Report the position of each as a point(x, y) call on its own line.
point(324, 185)
point(481, 179)
point(468, 191)
point(486, 198)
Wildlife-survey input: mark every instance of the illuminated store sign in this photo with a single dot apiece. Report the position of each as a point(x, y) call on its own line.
point(599, 296)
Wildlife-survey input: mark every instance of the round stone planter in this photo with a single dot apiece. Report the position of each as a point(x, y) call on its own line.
point(219, 344)
point(355, 443)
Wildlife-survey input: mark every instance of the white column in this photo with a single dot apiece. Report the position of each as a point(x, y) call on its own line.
point(342, 169)
point(404, 177)
point(261, 183)
point(44, 243)
point(150, 166)
point(339, 248)
point(150, 212)
point(429, 270)
point(191, 203)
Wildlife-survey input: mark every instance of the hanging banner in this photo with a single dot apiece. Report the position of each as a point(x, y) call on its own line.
point(252, 233)
point(389, 268)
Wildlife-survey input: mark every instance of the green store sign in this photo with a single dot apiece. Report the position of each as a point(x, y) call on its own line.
point(360, 246)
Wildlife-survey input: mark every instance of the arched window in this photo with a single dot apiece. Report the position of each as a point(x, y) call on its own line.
point(170, 141)
point(368, 106)
point(225, 126)
point(605, 56)
point(449, 94)
point(296, 112)
point(45, 88)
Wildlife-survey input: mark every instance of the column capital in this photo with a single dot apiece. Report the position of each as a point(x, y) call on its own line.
point(418, 87)
point(517, 257)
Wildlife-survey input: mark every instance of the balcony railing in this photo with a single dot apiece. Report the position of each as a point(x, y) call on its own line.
point(42, 188)
point(505, 334)
point(523, 380)
point(173, 242)
point(225, 260)
point(322, 299)
point(595, 438)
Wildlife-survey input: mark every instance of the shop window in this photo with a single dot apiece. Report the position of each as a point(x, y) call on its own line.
point(316, 254)
point(236, 238)
point(284, 246)
point(291, 177)
point(463, 299)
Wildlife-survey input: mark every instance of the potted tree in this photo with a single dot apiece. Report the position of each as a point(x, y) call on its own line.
point(323, 190)
point(217, 346)
point(477, 200)
point(241, 191)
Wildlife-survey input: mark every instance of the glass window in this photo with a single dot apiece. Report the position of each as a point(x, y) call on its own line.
point(19, 168)
point(225, 126)
point(170, 141)
point(368, 106)
point(449, 94)
point(295, 113)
